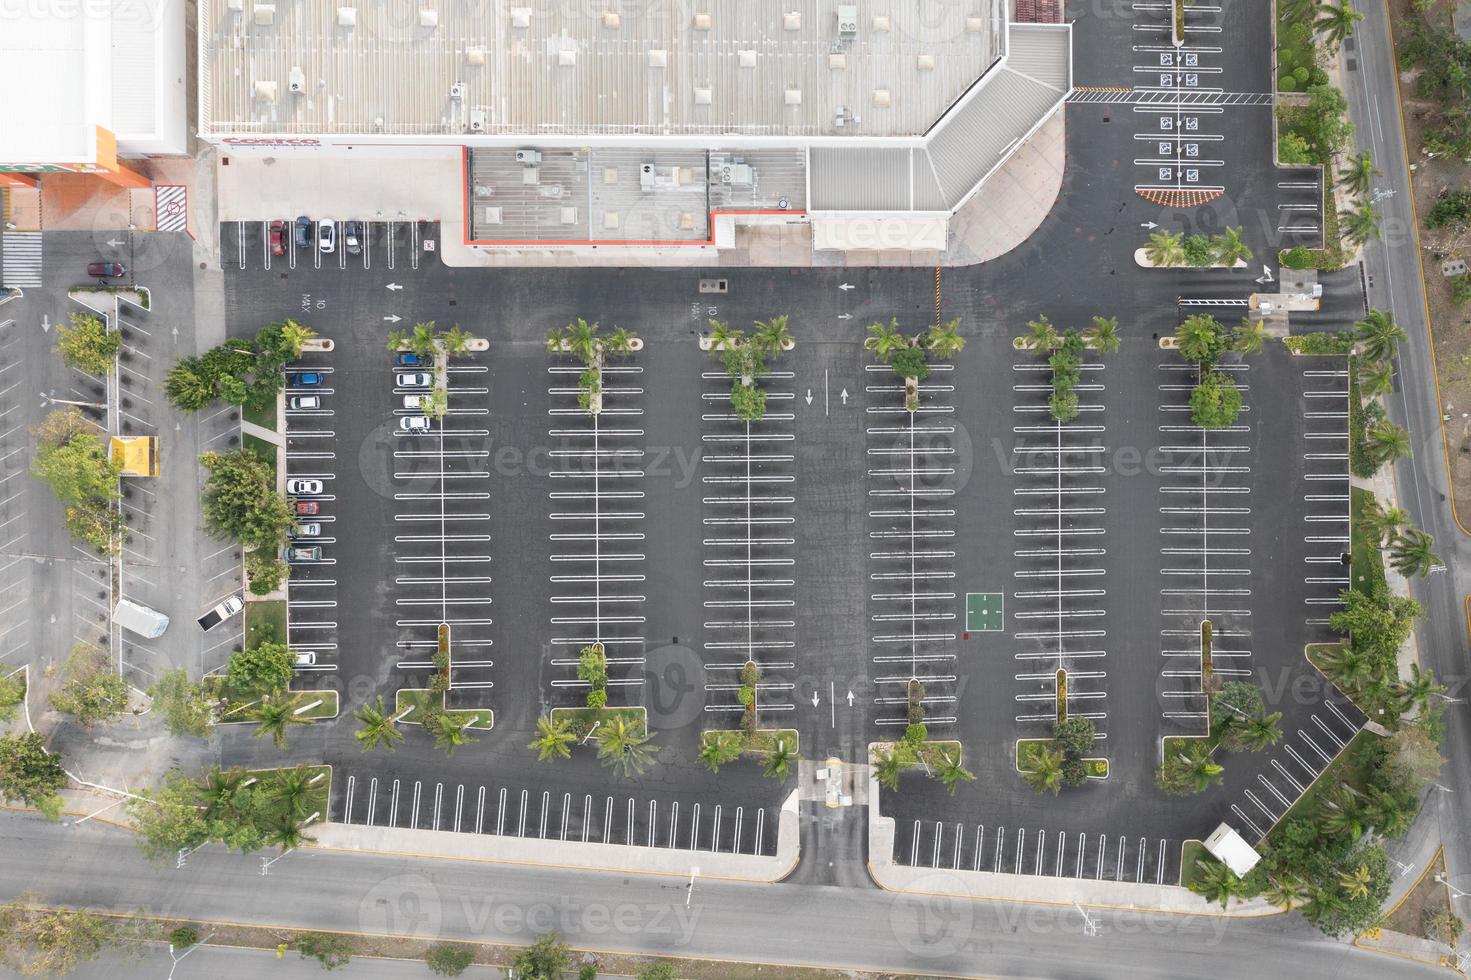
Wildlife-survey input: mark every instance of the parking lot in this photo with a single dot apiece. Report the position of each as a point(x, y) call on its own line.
point(311, 455)
point(383, 244)
point(748, 484)
point(968, 846)
point(911, 534)
point(596, 499)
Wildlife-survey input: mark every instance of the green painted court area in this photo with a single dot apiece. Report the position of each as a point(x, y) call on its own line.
point(984, 612)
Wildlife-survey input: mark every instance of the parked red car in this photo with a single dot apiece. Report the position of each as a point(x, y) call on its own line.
point(100, 270)
point(308, 507)
point(278, 238)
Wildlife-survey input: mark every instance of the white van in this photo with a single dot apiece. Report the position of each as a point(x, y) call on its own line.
point(137, 618)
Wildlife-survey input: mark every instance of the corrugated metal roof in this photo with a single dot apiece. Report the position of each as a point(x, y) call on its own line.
point(860, 178)
point(1041, 52)
point(977, 136)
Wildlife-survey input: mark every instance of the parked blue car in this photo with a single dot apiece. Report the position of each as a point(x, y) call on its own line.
point(410, 359)
point(306, 378)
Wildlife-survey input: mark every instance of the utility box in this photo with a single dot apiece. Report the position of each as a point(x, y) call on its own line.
point(137, 455)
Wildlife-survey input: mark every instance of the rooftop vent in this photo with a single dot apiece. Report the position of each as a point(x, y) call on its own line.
point(528, 156)
point(428, 18)
point(658, 58)
point(837, 61)
point(793, 96)
point(477, 120)
point(520, 16)
point(457, 91)
point(882, 99)
point(882, 24)
point(791, 21)
point(236, 6)
point(924, 62)
point(569, 216)
point(847, 20)
point(265, 91)
point(347, 17)
point(296, 80)
point(611, 20)
point(746, 57)
point(702, 22)
point(265, 14)
point(703, 96)
point(567, 57)
point(974, 25)
point(474, 56)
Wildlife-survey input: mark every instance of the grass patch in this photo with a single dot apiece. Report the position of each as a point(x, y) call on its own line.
point(265, 621)
point(263, 417)
point(1097, 768)
point(1190, 852)
point(760, 742)
point(1025, 747)
point(1340, 770)
point(580, 721)
point(261, 448)
point(1366, 560)
point(318, 796)
point(327, 708)
point(411, 703)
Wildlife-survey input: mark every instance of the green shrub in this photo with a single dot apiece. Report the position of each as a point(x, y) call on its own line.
point(449, 959)
point(1301, 74)
point(1298, 257)
point(1074, 772)
point(597, 698)
point(1452, 210)
point(1198, 251)
point(1461, 289)
point(183, 937)
point(1074, 736)
point(910, 363)
point(916, 733)
point(1216, 402)
point(1287, 83)
point(750, 673)
point(746, 695)
point(1320, 342)
point(329, 949)
point(748, 402)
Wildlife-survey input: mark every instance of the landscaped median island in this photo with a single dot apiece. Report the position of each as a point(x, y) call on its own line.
point(745, 360)
point(1215, 402)
point(582, 340)
point(427, 707)
point(1065, 350)
point(1166, 250)
point(1065, 759)
point(940, 759)
point(254, 690)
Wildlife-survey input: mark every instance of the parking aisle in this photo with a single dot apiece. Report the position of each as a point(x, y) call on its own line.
point(311, 458)
point(597, 567)
point(911, 521)
point(510, 811)
point(1205, 549)
point(1325, 487)
point(1091, 855)
point(749, 519)
point(277, 244)
point(442, 556)
point(1059, 596)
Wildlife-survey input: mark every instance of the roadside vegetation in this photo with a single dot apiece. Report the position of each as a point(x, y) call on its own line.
point(244, 810)
point(1166, 250)
point(30, 775)
point(71, 457)
point(240, 502)
point(239, 371)
point(87, 345)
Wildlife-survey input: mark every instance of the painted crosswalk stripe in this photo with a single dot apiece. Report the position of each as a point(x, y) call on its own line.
point(22, 258)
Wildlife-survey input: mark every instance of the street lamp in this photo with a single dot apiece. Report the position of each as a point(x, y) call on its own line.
point(69, 401)
point(690, 888)
point(73, 823)
point(1090, 924)
point(186, 952)
point(1455, 892)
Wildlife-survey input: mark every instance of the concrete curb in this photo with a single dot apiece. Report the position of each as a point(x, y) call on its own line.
point(575, 855)
point(1038, 889)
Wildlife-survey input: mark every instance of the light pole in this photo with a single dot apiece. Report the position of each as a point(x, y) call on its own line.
point(73, 823)
point(1455, 892)
point(265, 865)
point(1090, 925)
point(67, 401)
point(589, 732)
point(689, 891)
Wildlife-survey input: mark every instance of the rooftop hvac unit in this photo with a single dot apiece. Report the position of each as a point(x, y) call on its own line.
point(484, 190)
point(457, 91)
point(235, 5)
point(848, 20)
point(265, 14)
point(477, 120)
point(646, 177)
point(428, 18)
point(529, 157)
point(296, 80)
point(736, 174)
point(265, 91)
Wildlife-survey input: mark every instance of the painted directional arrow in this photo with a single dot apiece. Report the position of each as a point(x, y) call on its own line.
point(394, 286)
point(1148, 224)
point(1267, 273)
point(113, 242)
point(814, 699)
point(845, 316)
point(808, 396)
point(46, 323)
point(393, 318)
point(850, 699)
point(844, 396)
point(846, 286)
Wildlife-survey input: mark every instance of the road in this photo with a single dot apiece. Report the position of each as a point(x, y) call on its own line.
point(855, 928)
point(1393, 265)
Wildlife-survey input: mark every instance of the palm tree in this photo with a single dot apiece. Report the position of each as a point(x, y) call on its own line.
point(1361, 224)
point(1103, 336)
point(720, 747)
point(552, 740)
point(1260, 732)
point(219, 789)
point(1217, 882)
point(949, 770)
point(1379, 336)
point(1336, 23)
point(1356, 883)
point(1360, 174)
point(287, 833)
point(1417, 691)
point(1376, 378)
point(454, 341)
point(1322, 901)
point(290, 791)
point(1197, 766)
point(1346, 666)
point(772, 336)
point(887, 766)
point(1165, 249)
point(1410, 553)
point(1046, 771)
point(779, 762)
point(1199, 338)
point(1385, 442)
point(944, 341)
point(1044, 334)
point(624, 747)
point(1384, 523)
point(294, 336)
point(1248, 336)
point(396, 340)
point(1287, 893)
point(1388, 815)
point(884, 340)
point(582, 341)
point(619, 341)
point(422, 341)
point(379, 727)
point(450, 730)
point(722, 337)
point(1229, 247)
point(275, 717)
point(1341, 812)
